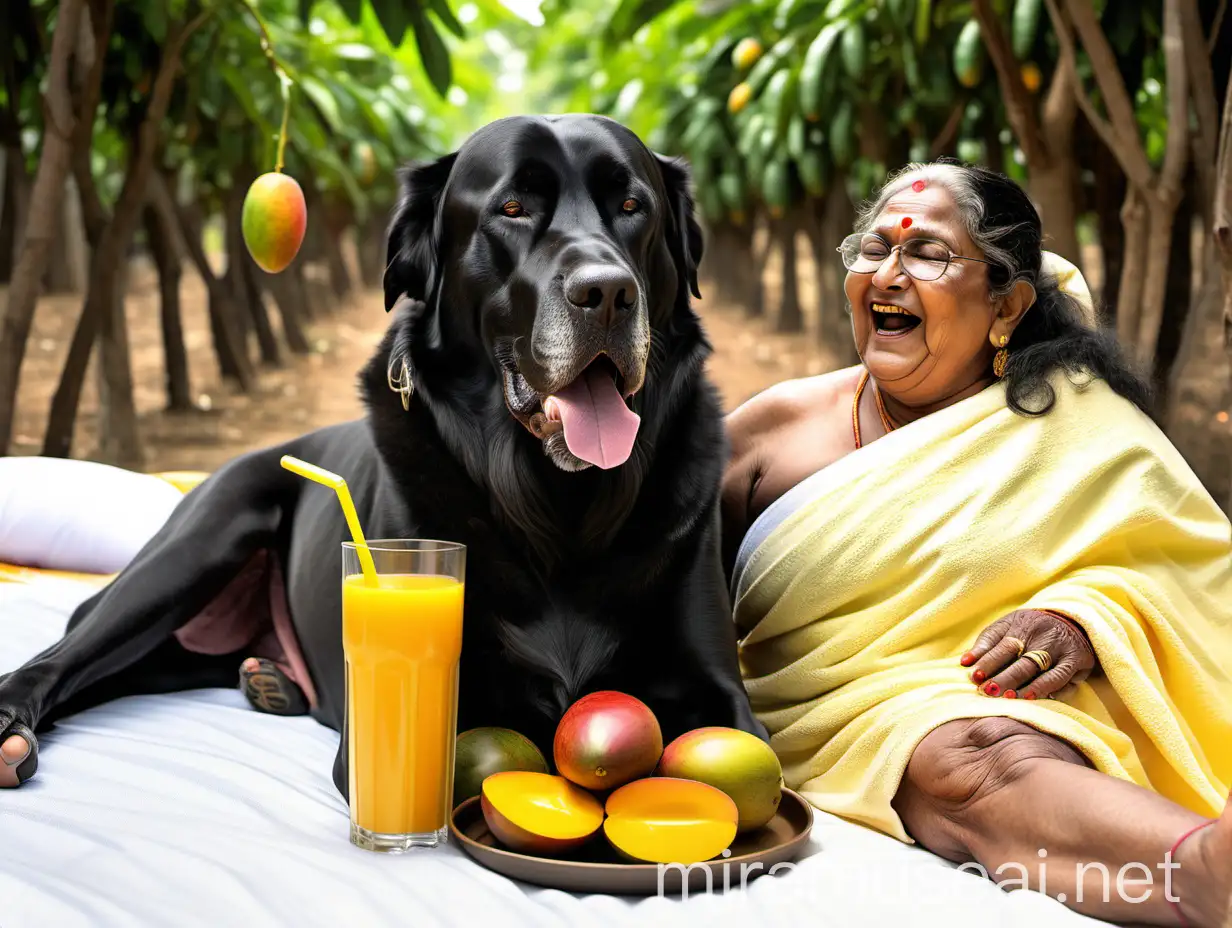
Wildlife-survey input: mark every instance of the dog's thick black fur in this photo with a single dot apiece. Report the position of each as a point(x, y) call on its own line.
point(541, 247)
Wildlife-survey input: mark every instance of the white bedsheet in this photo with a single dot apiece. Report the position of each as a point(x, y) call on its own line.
point(192, 809)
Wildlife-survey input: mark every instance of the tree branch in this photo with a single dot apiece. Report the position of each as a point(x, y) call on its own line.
point(1129, 150)
point(1214, 39)
point(1062, 101)
point(1221, 224)
point(1019, 107)
point(1206, 107)
point(1176, 154)
point(1137, 169)
point(947, 133)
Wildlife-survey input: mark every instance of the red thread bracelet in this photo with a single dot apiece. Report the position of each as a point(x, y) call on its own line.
point(1172, 855)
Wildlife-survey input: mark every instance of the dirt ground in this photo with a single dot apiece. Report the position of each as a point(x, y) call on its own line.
point(320, 388)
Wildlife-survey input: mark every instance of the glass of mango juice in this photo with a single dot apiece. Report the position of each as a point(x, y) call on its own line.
point(402, 641)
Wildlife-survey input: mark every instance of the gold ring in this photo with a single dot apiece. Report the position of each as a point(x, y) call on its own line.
point(1022, 645)
point(1041, 659)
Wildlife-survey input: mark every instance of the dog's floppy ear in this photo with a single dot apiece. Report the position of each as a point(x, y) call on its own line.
point(413, 238)
point(685, 233)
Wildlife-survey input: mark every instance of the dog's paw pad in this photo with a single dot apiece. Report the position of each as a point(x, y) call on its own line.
point(269, 689)
point(18, 759)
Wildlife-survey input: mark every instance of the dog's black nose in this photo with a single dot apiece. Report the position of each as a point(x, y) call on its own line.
point(604, 289)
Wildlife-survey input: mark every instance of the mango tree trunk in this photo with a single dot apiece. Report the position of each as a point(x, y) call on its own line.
point(1221, 228)
point(1044, 132)
point(233, 361)
point(1110, 191)
point(370, 244)
point(69, 272)
point(118, 438)
point(39, 237)
point(837, 221)
point(789, 317)
point(1177, 303)
point(14, 208)
point(287, 292)
point(243, 286)
point(163, 237)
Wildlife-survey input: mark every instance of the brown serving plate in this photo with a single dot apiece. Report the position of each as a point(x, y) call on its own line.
point(597, 868)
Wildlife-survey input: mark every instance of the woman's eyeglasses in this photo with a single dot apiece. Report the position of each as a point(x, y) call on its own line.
point(922, 258)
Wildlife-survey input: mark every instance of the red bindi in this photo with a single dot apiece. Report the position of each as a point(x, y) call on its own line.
point(917, 186)
point(907, 222)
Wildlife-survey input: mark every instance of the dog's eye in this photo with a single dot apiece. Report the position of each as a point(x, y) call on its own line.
point(512, 208)
point(630, 205)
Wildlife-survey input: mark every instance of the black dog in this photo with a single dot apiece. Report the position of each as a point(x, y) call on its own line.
point(542, 277)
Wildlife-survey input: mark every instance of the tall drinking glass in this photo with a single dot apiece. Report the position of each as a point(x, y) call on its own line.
point(402, 639)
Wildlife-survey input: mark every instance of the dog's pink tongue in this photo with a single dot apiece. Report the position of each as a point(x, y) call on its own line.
point(598, 426)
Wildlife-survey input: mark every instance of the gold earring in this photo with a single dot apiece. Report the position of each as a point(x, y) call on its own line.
point(403, 386)
point(1001, 358)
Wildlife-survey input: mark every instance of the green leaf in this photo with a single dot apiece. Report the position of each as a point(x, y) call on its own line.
point(354, 9)
point(392, 15)
point(842, 137)
point(355, 51)
point(855, 50)
point(156, 21)
point(432, 52)
point(242, 89)
point(630, 15)
point(731, 189)
point(323, 99)
point(445, 15)
point(812, 168)
point(797, 138)
point(776, 186)
point(813, 72)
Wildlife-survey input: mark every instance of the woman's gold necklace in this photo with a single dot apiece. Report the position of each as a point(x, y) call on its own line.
point(855, 408)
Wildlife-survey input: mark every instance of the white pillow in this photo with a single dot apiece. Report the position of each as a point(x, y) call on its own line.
point(60, 514)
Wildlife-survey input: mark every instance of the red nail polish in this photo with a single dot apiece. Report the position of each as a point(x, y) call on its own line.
point(966, 659)
point(1030, 695)
point(992, 689)
point(1010, 694)
point(979, 676)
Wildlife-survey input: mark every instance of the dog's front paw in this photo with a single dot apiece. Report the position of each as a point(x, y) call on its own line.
point(18, 751)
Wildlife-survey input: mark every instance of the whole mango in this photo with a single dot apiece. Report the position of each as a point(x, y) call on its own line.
point(746, 53)
point(739, 97)
point(274, 220)
point(481, 752)
point(740, 764)
point(606, 739)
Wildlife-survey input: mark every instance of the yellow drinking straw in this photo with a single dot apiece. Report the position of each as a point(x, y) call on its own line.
point(330, 479)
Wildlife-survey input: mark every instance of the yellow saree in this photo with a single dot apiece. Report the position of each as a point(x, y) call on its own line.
point(856, 602)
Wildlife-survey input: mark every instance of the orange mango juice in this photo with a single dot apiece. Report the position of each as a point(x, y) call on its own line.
point(403, 641)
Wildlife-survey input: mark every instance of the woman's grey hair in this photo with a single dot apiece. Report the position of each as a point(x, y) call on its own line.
point(991, 238)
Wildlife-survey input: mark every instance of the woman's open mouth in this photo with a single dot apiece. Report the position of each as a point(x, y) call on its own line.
point(891, 321)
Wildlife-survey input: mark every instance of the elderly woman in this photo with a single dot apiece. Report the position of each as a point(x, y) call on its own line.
point(984, 605)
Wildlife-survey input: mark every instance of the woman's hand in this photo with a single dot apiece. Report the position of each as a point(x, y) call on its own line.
point(1008, 655)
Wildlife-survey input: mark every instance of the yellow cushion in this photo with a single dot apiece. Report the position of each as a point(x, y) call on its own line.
point(17, 573)
point(182, 480)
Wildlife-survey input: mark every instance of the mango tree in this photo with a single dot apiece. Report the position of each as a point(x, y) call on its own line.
point(150, 85)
